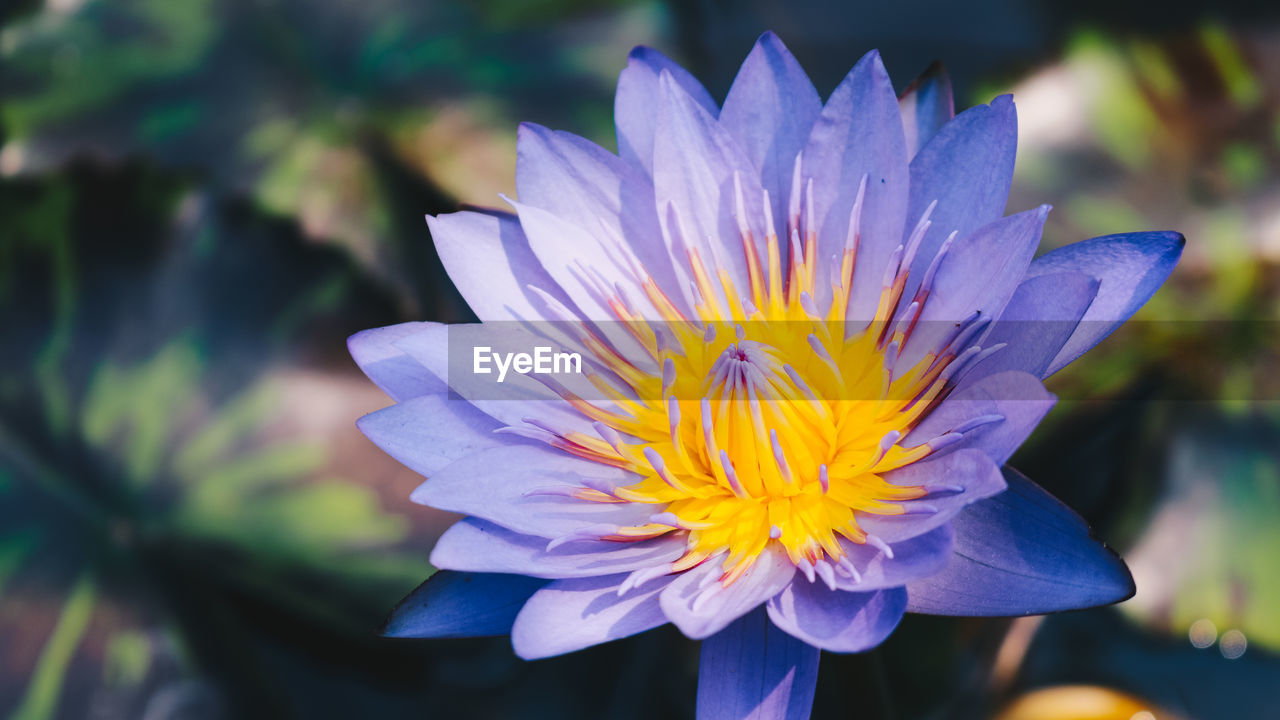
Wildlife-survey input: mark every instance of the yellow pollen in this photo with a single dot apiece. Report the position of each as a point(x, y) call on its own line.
point(770, 422)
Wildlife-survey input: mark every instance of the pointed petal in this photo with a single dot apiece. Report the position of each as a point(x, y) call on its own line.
point(981, 271)
point(479, 546)
point(694, 164)
point(459, 604)
point(569, 615)
point(1021, 553)
point(915, 557)
point(927, 104)
point(978, 274)
point(967, 468)
point(770, 111)
point(753, 670)
point(607, 199)
point(430, 432)
point(637, 97)
point(701, 607)
point(1018, 397)
point(488, 258)
point(1043, 313)
point(400, 376)
point(571, 256)
point(859, 134)
point(836, 620)
point(1129, 267)
point(968, 168)
point(588, 274)
point(500, 486)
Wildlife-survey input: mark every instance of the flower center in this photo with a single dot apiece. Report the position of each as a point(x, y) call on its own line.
point(769, 423)
point(768, 441)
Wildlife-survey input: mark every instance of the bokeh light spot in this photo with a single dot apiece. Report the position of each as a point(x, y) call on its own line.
point(1203, 633)
point(1233, 644)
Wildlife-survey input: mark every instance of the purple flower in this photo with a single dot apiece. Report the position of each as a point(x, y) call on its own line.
point(833, 341)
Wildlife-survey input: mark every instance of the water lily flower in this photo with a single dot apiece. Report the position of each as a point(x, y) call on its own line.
point(815, 340)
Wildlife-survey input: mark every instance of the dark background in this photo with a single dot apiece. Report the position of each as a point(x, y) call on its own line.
point(200, 200)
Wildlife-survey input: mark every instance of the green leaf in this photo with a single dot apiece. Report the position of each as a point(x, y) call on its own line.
point(141, 405)
point(224, 493)
point(128, 659)
point(217, 438)
point(45, 686)
point(324, 516)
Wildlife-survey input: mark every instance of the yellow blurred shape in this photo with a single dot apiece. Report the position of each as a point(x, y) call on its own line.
point(1081, 702)
point(467, 149)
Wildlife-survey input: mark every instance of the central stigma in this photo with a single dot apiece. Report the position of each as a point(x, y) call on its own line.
point(765, 422)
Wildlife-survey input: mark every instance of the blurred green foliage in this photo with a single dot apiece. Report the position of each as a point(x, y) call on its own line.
point(127, 446)
point(1171, 132)
point(1213, 539)
point(313, 112)
point(154, 311)
point(88, 66)
point(199, 200)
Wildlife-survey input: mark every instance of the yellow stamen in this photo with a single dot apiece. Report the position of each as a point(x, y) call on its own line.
point(771, 428)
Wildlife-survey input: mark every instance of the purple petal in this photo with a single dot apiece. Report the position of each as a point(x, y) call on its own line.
point(520, 396)
point(967, 168)
point(608, 199)
point(927, 104)
point(968, 469)
point(399, 375)
point(569, 615)
point(914, 557)
point(694, 165)
point(479, 546)
point(637, 98)
point(457, 604)
point(1018, 397)
point(981, 271)
point(860, 134)
point(1130, 268)
point(978, 274)
point(583, 269)
point(1022, 553)
point(488, 258)
point(836, 620)
point(427, 433)
point(572, 256)
point(1044, 311)
point(770, 111)
point(701, 606)
point(752, 670)
point(504, 486)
